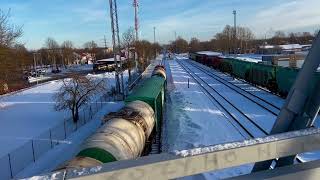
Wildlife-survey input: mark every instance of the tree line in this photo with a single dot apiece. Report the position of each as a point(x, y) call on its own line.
point(239, 40)
point(16, 60)
point(13, 55)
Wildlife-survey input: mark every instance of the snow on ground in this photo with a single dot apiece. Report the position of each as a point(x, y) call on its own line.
point(49, 75)
point(276, 100)
point(256, 113)
point(210, 53)
point(193, 120)
point(29, 113)
point(256, 58)
point(249, 59)
point(191, 114)
point(66, 151)
point(41, 78)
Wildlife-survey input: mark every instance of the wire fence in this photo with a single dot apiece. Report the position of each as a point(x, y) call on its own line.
point(17, 160)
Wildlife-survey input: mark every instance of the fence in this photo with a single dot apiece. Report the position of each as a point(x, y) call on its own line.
point(14, 162)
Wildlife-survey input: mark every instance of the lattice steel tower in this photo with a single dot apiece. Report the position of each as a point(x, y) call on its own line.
point(116, 45)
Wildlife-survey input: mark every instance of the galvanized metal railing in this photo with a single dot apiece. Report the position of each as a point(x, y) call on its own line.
point(200, 160)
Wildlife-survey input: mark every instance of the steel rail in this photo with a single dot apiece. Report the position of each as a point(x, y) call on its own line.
point(226, 83)
point(242, 113)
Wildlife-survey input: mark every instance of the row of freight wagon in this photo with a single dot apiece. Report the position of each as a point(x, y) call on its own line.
point(277, 79)
point(129, 133)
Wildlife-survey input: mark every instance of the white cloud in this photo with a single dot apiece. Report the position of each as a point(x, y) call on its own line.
point(204, 20)
point(198, 22)
point(289, 16)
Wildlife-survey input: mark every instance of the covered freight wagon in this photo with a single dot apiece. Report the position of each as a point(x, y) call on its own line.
point(264, 75)
point(286, 77)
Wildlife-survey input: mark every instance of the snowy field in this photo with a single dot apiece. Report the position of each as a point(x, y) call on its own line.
point(47, 72)
point(71, 146)
point(29, 113)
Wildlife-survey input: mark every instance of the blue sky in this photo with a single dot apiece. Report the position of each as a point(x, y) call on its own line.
point(85, 20)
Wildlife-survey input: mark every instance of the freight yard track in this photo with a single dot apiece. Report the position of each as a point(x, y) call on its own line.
point(263, 103)
point(245, 125)
point(272, 108)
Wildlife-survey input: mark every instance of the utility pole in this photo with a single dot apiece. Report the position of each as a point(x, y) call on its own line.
point(35, 65)
point(235, 31)
point(136, 18)
point(175, 41)
point(154, 42)
point(105, 45)
point(116, 43)
point(154, 34)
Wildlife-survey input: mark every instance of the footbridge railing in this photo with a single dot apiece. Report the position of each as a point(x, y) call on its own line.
point(195, 161)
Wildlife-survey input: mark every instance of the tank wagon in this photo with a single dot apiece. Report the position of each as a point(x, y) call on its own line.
point(277, 79)
point(130, 132)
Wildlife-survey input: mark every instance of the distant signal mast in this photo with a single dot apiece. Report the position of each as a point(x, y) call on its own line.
point(136, 18)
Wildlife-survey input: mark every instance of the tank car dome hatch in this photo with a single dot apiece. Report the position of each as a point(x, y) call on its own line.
point(159, 71)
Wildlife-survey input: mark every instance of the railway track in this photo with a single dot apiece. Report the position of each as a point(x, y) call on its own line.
point(273, 109)
point(247, 127)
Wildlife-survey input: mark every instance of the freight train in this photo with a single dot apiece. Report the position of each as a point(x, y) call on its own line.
point(278, 80)
point(130, 132)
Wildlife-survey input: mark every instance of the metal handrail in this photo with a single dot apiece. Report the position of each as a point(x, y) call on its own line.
point(200, 160)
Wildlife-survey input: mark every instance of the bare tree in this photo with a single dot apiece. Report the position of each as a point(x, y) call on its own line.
point(179, 46)
point(244, 37)
point(145, 53)
point(224, 39)
point(52, 47)
point(8, 33)
point(76, 92)
point(11, 70)
point(279, 38)
point(67, 52)
point(92, 48)
point(194, 45)
point(128, 41)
